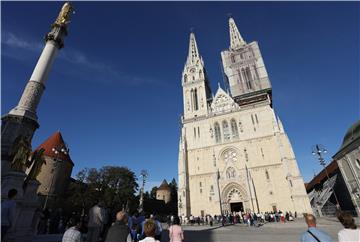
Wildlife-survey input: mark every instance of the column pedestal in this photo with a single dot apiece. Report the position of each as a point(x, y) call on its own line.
point(26, 204)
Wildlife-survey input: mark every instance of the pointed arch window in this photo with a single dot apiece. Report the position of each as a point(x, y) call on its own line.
point(192, 99)
point(185, 78)
point(196, 105)
point(217, 132)
point(226, 130)
point(248, 77)
point(234, 129)
point(200, 74)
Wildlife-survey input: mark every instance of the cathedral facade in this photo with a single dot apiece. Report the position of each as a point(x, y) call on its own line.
point(234, 154)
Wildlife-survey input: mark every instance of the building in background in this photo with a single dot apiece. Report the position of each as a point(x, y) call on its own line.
point(322, 191)
point(55, 175)
point(348, 160)
point(164, 192)
point(234, 154)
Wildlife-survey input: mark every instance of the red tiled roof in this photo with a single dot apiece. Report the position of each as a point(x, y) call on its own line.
point(55, 141)
point(164, 186)
point(321, 177)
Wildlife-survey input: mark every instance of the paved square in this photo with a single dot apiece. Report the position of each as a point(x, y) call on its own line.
point(290, 231)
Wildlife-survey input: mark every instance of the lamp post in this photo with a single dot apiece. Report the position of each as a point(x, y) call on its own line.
point(57, 151)
point(143, 175)
point(318, 150)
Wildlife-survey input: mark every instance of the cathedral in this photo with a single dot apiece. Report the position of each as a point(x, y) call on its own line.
point(234, 154)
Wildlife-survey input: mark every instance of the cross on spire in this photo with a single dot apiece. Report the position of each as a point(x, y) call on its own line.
point(236, 41)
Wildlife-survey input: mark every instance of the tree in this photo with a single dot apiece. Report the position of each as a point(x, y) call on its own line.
point(153, 192)
point(173, 204)
point(115, 186)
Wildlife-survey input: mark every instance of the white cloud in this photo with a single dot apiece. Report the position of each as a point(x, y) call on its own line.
point(70, 56)
point(13, 41)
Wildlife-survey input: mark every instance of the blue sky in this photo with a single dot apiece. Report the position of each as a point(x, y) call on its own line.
point(115, 91)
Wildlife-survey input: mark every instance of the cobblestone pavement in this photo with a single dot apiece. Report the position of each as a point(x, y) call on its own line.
point(290, 231)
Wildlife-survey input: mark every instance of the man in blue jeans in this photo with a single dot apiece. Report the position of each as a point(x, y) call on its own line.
point(8, 212)
point(313, 234)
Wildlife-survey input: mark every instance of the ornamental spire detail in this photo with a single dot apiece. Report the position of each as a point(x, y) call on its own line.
point(236, 41)
point(193, 55)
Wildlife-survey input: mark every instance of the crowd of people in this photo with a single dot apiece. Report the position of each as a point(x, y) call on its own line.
point(249, 218)
point(142, 227)
point(97, 226)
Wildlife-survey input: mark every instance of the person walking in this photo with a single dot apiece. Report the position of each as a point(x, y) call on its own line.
point(119, 231)
point(73, 233)
point(313, 234)
point(96, 221)
point(350, 232)
point(8, 213)
point(149, 230)
point(176, 233)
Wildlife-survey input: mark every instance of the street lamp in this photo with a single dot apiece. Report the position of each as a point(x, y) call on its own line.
point(57, 151)
point(143, 174)
point(318, 150)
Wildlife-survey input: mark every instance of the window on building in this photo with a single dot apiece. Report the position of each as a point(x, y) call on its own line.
point(246, 155)
point(239, 74)
point(200, 190)
point(290, 182)
point(262, 153)
point(199, 132)
point(194, 132)
point(200, 184)
point(183, 193)
point(252, 119)
point(256, 119)
point(210, 199)
point(163, 197)
point(234, 129)
point(226, 130)
point(248, 78)
point(200, 74)
point(217, 132)
point(358, 163)
point(196, 105)
point(192, 99)
point(244, 77)
point(267, 175)
point(185, 78)
point(256, 72)
point(233, 58)
point(211, 188)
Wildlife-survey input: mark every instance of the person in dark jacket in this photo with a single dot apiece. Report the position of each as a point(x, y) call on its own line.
point(119, 231)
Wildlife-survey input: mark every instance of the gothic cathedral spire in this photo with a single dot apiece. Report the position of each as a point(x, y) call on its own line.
point(244, 68)
point(195, 83)
point(236, 41)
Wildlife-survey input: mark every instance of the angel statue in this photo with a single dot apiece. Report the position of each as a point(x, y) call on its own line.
point(65, 14)
point(20, 152)
point(36, 162)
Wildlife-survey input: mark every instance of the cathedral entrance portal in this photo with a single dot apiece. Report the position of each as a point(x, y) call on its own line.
point(235, 198)
point(237, 207)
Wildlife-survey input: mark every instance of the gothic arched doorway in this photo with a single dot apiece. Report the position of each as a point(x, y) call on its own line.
point(234, 198)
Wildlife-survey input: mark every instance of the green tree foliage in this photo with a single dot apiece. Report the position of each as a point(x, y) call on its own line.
point(173, 204)
point(153, 193)
point(115, 186)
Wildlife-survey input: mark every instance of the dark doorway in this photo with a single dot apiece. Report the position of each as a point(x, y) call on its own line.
point(237, 207)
